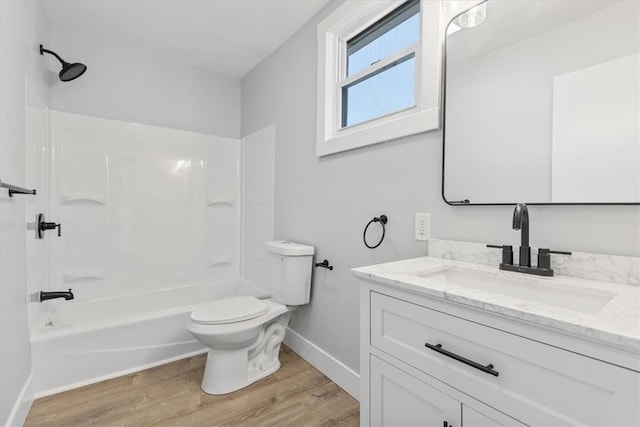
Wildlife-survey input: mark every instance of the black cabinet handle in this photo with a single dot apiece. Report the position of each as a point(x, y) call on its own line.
point(438, 348)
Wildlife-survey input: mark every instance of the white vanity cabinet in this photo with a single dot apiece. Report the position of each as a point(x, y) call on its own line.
point(402, 399)
point(480, 369)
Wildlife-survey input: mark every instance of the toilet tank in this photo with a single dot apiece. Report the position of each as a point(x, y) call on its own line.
point(289, 271)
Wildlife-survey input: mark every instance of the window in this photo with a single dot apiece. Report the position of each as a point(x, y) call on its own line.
point(379, 78)
point(382, 92)
point(378, 73)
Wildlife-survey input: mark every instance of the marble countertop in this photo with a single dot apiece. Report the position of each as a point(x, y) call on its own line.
point(613, 317)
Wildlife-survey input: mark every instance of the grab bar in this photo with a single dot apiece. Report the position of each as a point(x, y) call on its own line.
point(14, 189)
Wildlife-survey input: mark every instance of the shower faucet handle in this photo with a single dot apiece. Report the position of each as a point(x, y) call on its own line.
point(43, 225)
point(51, 226)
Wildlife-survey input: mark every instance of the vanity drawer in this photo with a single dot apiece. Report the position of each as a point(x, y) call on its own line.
point(537, 383)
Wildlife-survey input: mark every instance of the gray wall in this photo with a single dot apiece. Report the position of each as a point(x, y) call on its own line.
point(132, 85)
point(327, 201)
point(24, 90)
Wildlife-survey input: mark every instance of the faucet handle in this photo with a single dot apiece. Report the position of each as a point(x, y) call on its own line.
point(544, 257)
point(551, 251)
point(507, 253)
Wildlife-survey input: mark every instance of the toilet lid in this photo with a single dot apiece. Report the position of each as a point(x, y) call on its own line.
point(229, 310)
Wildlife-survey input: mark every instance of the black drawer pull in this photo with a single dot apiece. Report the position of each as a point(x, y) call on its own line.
point(438, 348)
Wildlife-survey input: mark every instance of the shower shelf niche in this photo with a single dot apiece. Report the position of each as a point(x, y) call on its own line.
point(83, 199)
point(216, 261)
point(220, 202)
point(74, 276)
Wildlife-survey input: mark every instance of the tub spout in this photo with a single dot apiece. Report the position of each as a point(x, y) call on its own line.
point(44, 295)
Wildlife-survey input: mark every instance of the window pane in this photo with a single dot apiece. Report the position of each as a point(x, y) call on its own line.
point(387, 91)
point(399, 29)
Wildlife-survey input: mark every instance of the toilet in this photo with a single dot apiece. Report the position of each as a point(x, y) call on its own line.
point(244, 333)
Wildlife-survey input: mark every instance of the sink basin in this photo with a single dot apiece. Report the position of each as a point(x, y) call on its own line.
point(554, 293)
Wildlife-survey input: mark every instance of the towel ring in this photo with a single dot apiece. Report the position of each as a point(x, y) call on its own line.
point(382, 219)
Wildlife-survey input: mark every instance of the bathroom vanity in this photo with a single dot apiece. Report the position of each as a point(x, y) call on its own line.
point(451, 343)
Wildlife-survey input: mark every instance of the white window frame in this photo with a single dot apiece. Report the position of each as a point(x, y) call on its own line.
point(351, 18)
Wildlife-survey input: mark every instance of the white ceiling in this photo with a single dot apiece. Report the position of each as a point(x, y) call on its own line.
point(225, 36)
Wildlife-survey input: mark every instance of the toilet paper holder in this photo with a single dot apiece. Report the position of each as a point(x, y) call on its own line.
point(324, 264)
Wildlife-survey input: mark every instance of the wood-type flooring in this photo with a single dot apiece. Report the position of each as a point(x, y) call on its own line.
point(170, 395)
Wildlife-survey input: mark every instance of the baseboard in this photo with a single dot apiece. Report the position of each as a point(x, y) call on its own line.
point(117, 374)
point(337, 372)
point(21, 408)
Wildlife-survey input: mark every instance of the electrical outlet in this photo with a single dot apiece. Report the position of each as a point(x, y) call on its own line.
point(423, 226)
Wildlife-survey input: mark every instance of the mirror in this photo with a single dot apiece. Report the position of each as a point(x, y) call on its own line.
point(541, 103)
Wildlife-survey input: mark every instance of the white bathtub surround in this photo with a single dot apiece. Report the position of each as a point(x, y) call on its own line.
point(141, 207)
point(258, 200)
point(90, 341)
point(602, 267)
point(611, 318)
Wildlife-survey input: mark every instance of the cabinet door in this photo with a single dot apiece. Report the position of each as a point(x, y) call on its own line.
point(399, 400)
point(486, 418)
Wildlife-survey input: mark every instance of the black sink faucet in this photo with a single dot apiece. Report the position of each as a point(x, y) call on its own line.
point(44, 295)
point(521, 222)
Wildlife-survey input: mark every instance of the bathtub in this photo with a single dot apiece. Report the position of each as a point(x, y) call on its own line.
point(78, 343)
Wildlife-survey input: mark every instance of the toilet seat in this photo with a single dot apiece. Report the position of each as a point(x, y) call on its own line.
point(229, 310)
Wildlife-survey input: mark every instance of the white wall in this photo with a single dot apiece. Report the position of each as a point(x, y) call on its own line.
point(23, 100)
point(259, 150)
point(132, 85)
point(327, 201)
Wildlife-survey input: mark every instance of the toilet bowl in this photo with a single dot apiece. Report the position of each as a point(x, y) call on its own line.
point(244, 336)
point(244, 333)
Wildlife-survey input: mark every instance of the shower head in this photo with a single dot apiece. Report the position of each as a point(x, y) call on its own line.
point(69, 71)
point(72, 71)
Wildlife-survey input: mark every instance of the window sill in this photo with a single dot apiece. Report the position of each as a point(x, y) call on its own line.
point(378, 131)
